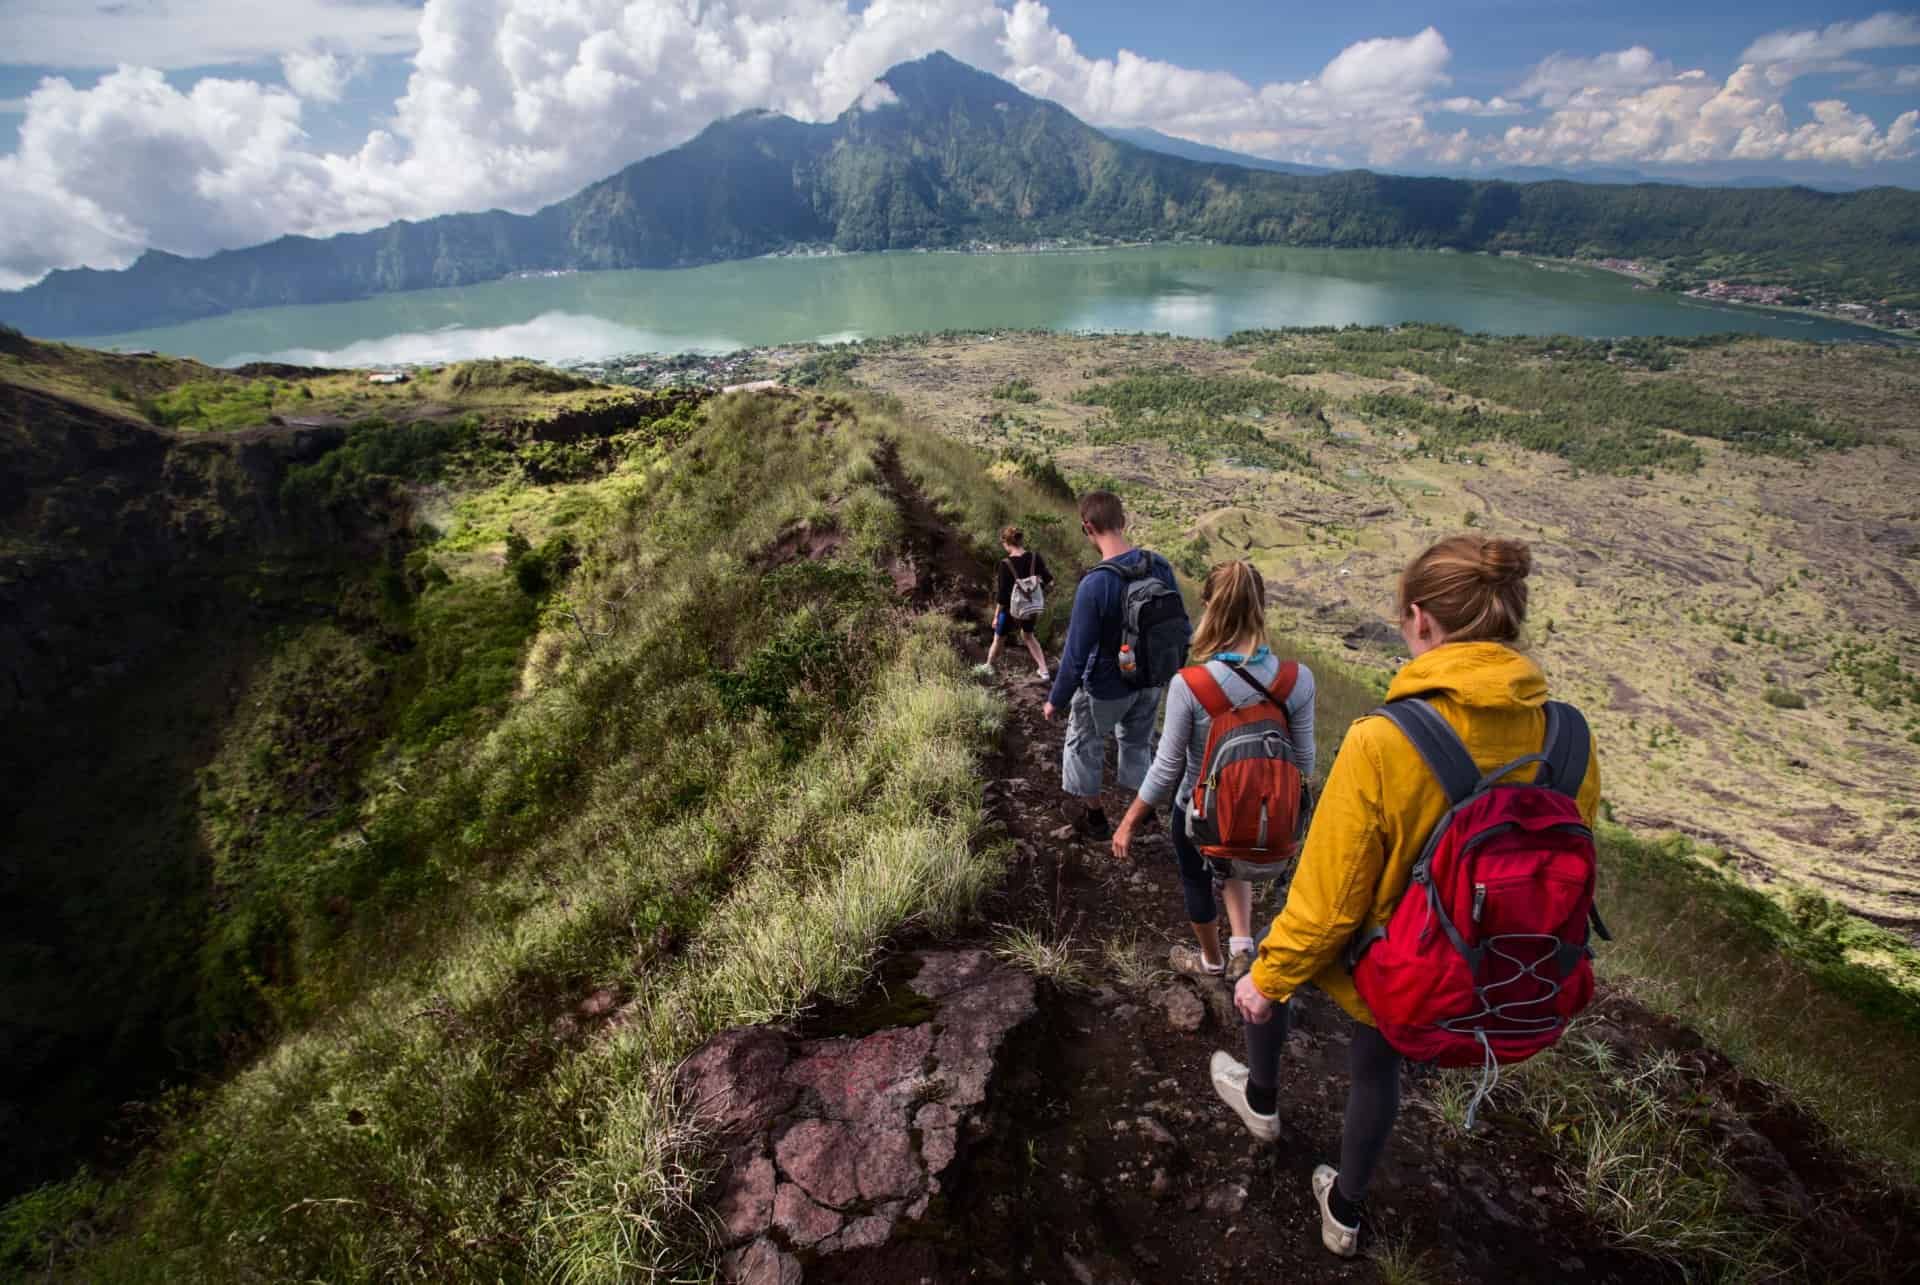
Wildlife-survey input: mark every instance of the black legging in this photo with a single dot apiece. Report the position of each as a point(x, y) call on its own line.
point(1373, 1092)
point(1196, 874)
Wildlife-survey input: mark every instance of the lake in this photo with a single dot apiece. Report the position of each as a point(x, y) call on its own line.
point(1200, 291)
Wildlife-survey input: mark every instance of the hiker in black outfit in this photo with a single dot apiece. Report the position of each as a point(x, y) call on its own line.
point(1021, 563)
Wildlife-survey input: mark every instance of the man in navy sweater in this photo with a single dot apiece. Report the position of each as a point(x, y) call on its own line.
point(1099, 701)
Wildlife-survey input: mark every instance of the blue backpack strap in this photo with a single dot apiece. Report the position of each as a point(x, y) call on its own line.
point(1569, 747)
point(1438, 744)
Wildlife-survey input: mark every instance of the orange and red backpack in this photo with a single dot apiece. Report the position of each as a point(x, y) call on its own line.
point(1251, 802)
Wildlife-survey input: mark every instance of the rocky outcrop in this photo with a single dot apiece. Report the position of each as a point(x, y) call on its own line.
point(831, 1144)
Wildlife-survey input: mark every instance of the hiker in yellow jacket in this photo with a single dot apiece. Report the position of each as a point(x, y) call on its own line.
point(1462, 603)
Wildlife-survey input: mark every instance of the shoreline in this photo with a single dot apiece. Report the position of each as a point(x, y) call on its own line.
point(1648, 278)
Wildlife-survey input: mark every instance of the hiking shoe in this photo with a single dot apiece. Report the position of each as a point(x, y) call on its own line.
point(1093, 825)
point(1230, 1082)
point(1334, 1234)
point(1188, 960)
point(1043, 675)
point(1239, 964)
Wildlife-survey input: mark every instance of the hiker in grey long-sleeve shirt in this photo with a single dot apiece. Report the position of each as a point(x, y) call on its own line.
point(1232, 631)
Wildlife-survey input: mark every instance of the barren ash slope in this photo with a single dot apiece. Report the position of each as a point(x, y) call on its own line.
point(499, 827)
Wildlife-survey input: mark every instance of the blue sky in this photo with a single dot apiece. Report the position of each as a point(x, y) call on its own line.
point(192, 125)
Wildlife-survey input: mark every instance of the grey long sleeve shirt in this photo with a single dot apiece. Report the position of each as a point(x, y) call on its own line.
point(1183, 733)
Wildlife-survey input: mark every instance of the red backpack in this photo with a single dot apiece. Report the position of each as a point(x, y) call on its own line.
point(1251, 803)
point(1485, 960)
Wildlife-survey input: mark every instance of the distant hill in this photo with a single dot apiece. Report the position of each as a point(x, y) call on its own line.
point(1154, 141)
point(961, 156)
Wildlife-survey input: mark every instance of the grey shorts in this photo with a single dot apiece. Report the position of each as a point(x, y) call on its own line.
point(1128, 720)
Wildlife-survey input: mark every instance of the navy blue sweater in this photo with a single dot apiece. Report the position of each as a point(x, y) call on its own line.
point(1093, 633)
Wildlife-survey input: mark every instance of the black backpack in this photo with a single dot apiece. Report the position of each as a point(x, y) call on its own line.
point(1153, 625)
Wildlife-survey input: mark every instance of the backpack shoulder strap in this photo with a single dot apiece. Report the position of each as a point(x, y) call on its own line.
point(1282, 684)
point(1438, 744)
point(1200, 682)
point(1124, 572)
point(1569, 746)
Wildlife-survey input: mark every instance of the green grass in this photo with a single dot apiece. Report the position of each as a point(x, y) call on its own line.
point(1801, 994)
point(1052, 959)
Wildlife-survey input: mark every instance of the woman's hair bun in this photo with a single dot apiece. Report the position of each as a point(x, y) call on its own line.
point(1505, 561)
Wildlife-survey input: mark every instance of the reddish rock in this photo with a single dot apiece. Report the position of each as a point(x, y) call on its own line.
point(938, 1142)
point(865, 1079)
point(761, 1263)
point(1185, 1011)
point(733, 1081)
point(944, 972)
point(863, 1233)
point(887, 1166)
point(833, 1142)
point(823, 1157)
point(747, 1202)
point(804, 1222)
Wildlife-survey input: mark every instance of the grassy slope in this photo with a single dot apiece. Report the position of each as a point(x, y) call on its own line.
point(712, 807)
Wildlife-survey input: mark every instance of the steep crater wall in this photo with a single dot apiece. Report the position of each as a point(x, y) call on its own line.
point(140, 573)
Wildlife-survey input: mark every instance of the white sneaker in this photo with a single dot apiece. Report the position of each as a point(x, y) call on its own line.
point(1334, 1234)
point(1230, 1082)
point(1044, 676)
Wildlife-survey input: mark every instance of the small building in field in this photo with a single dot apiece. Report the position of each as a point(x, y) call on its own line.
point(387, 377)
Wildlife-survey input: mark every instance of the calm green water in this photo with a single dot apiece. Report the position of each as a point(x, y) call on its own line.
point(1203, 291)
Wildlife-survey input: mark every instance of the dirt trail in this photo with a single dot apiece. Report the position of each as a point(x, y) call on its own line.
point(1110, 1161)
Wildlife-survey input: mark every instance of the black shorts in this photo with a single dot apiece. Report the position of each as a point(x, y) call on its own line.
point(1004, 624)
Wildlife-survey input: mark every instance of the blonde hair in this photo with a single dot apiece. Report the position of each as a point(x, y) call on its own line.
point(1234, 608)
point(1474, 586)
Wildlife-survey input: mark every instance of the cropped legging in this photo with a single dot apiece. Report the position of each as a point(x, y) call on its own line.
point(1196, 875)
point(1373, 1092)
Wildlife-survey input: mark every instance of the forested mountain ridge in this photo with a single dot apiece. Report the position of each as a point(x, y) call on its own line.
point(949, 155)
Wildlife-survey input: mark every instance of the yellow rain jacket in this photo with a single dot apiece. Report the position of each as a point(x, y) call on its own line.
point(1380, 803)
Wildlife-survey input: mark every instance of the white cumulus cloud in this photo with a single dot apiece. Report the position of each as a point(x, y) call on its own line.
point(1561, 78)
point(1887, 30)
point(1690, 119)
point(319, 77)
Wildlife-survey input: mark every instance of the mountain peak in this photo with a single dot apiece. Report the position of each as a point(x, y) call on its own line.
point(939, 79)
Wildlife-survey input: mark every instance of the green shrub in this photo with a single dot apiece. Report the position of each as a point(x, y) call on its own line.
point(213, 404)
point(1041, 471)
point(1018, 389)
point(1783, 698)
point(43, 1225)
